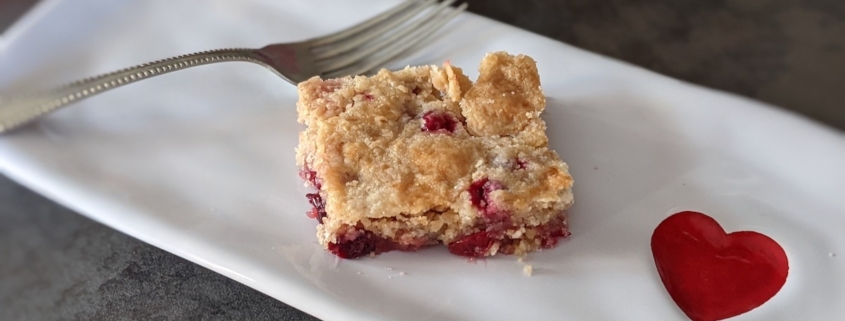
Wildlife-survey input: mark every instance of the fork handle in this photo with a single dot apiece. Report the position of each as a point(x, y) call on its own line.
point(21, 110)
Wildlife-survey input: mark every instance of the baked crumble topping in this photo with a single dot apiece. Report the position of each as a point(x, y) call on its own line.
point(422, 156)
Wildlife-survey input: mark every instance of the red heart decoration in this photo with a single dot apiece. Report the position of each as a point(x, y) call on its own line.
point(713, 275)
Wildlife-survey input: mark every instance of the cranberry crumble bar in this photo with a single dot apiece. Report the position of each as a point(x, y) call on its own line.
point(422, 156)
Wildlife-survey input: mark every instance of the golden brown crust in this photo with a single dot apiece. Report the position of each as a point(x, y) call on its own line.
point(505, 98)
point(380, 168)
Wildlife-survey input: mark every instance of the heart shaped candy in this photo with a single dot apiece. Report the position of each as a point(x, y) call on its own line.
point(713, 275)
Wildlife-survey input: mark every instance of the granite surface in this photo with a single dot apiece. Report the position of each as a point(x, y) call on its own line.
point(58, 265)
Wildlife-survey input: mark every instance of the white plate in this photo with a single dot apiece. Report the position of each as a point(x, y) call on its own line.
point(201, 163)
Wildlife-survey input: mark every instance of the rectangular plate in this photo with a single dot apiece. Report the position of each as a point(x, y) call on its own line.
point(201, 163)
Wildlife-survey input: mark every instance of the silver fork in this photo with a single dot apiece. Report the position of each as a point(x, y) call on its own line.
point(355, 50)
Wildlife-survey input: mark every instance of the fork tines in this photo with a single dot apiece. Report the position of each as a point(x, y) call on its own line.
point(372, 43)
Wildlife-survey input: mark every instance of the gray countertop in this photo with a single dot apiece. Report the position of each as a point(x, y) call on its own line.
point(58, 265)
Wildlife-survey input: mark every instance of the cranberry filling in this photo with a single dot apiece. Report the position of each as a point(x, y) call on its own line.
point(367, 242)
point(479, 243)
point(319, 206)
point(551, 233)
point(364, 244)
point(436, 120)
point(473, 245)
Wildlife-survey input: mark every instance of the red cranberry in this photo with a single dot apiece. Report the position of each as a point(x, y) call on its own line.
point(311, 176)
point(319, 206)
point(473, 245)
point(364, 244)
point(554, 237)
point(520, 164)
point(436, 120)
point(551, 232)
point(479, 195)
point(548, 242)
